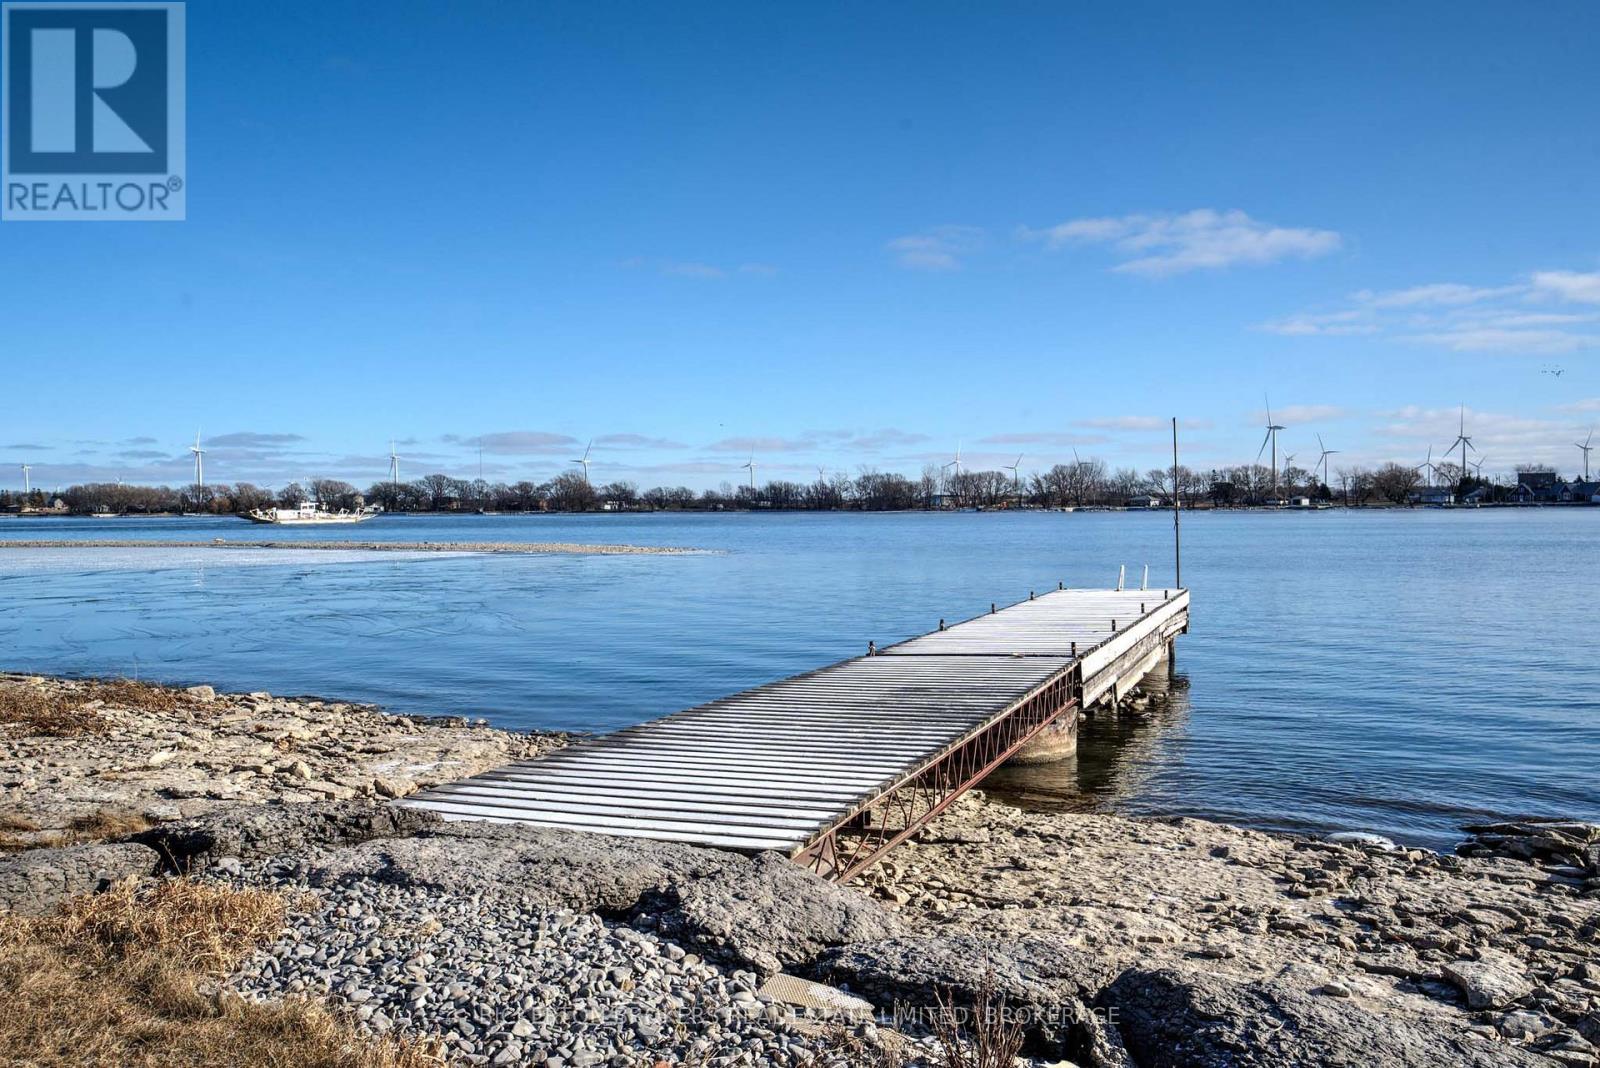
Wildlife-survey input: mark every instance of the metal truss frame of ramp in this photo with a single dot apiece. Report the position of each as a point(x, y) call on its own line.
point(838, 765)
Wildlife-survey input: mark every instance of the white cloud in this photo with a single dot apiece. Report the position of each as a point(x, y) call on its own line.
point(1468, 338)
point(939, 249)
point(760, 445)
point(1499, 438)
point(1205, 239)
point(1332, 324)
point(521, 442)
point(637, 441)
point(1447, 294)
point(1466, 318)
point(1583, 288)
point(1524, 319)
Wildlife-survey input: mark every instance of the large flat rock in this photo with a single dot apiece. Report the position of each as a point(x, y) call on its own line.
point(1048, 982)
point(1194, 1018)
point(251, 832)
point(35, 882)
point(759, 912)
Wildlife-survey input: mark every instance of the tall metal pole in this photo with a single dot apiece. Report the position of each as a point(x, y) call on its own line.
point(1177, 542)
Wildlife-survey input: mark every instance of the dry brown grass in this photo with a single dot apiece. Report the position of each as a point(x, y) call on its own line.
point(104, 825)
point(127, 978)
point(18, 833)
point(64, 713)
point(34, 710)
point(10, 824)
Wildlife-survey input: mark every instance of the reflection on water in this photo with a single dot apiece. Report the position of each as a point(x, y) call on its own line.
point(1117, 753)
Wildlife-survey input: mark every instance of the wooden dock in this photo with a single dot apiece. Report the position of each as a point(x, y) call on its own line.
point(836, 766)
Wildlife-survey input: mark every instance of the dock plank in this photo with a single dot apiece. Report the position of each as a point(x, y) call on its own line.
point(775, 766)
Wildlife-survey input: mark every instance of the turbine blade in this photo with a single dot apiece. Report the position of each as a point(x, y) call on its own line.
point(1263, 446)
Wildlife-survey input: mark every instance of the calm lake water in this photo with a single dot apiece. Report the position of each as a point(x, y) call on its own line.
point(1399, 672)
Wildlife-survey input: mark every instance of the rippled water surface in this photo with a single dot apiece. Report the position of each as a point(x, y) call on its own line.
point(1400, 672)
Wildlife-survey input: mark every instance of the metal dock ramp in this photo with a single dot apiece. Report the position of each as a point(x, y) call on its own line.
point(837, 765)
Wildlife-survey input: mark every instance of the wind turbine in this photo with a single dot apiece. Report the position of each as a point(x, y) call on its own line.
point(1477, 466)
point(27, 486)
point(1016, 481)
point(1323, 458)
point(584, 463)
point(956, 463)
point(1428, 465)
point(199, 462)
point(1465, 442)
point(1272, 439)
point(751, 464)
point(822, 474)
point(394, 465)
point(1587, 448)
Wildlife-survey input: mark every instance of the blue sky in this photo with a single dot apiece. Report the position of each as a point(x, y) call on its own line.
point(840, 234)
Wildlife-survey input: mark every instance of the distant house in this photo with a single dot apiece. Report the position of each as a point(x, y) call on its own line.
point(1144, 500)
point(1481, 495)
point(1580, 492)
point(1538, 487)
point(1433, 495)
point(1300, 502)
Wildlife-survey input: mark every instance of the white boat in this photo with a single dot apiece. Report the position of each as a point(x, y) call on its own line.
point(305, 515)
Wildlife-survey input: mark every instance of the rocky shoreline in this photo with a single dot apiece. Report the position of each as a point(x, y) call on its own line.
point(1115, 942)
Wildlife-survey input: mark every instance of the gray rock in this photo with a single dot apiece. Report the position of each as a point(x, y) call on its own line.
point(1196, 1019)
point(255, 831)
point(1048, 981)
point(35, 882)
point(760, 912)
point(1493, 981)
point(769, 912)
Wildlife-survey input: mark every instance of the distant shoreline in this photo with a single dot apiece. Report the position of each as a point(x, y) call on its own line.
point(522, 548)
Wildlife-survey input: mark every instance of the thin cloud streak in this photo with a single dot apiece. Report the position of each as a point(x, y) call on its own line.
point(1160, 245)
point(1520, 318)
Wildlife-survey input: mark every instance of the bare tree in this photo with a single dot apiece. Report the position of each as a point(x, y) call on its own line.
point(332, 495)
point(622, 492)
point(571, 492)
point(1396, 482)
point(1126, 482)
